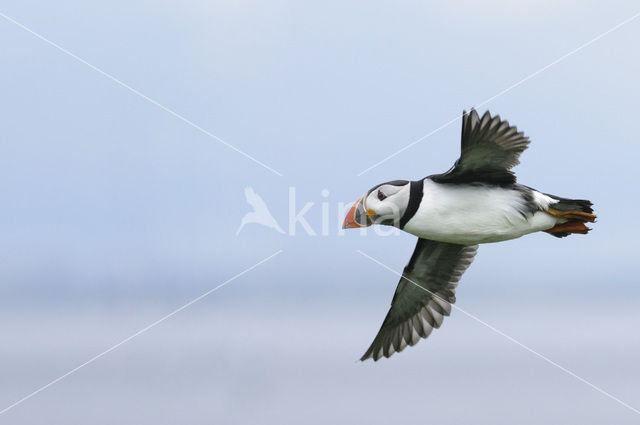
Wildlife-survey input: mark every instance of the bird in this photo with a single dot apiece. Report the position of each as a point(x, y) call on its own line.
point(260, 213)
point(476, 201)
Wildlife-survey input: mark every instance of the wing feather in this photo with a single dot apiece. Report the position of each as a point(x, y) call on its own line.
point(424, 296)
point(490, 147)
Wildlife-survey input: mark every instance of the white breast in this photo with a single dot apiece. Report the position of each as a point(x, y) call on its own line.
point(470, 214)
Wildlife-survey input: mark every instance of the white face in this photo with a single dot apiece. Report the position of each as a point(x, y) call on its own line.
point(386, 203)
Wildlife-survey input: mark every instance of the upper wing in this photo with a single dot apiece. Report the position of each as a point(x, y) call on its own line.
point(423, 297)
point(490, 148)
point(254, 200)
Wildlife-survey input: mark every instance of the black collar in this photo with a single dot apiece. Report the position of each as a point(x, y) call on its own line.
point(415, 197)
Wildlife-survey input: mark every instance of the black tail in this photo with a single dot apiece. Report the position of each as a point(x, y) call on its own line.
point(575, 211)
point(565, 204)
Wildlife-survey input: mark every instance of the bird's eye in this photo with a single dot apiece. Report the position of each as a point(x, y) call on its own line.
point(381, 196)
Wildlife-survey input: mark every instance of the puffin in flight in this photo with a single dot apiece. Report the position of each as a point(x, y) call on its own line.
point(476, 201)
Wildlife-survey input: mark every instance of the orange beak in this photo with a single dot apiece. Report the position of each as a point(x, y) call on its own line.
point(357, 216)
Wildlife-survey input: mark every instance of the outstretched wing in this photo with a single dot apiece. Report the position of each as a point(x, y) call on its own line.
point(490, 148)
point(254, 200)
point(423, 297)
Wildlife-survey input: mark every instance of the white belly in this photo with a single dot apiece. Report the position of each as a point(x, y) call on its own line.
point(472, 214)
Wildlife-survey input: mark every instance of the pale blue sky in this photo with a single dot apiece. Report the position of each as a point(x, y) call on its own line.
point(111, 203)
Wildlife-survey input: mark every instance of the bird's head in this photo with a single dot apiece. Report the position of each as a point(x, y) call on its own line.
point(383, 204)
